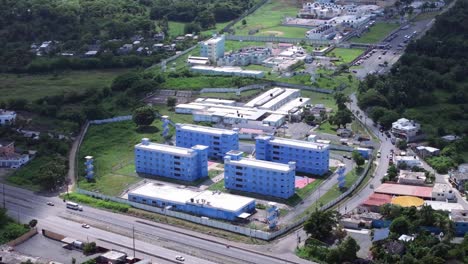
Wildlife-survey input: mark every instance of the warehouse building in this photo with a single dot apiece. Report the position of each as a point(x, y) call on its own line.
point(219, 141)
point(258, 176)
point(310, 157)
point(186, 164)
point(213, 204)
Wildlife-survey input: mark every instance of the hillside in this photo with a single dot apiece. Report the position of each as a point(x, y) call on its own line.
point(76, 26)
point(429, 83)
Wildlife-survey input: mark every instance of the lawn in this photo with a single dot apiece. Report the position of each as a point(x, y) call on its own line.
point(267, 19)
point(425, 16)
point(303, 193)
point(376, 33)
point(328, 128)
point(32, 87)
point(331, 194)
point(25, 177)
point(219, 186)
point(345, 55)
point(232, 96)
point(320, 98)
point(176, 28)
point(112, 147)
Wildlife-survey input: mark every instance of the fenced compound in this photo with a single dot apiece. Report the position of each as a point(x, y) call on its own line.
point(279, 39)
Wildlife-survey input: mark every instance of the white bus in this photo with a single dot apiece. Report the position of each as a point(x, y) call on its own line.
point(74, 206)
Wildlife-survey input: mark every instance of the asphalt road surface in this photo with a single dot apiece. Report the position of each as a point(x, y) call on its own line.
point(160, 241)
point(371, 65)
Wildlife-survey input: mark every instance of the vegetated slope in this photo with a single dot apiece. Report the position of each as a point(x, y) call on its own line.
point(77, 23)
point(429, 83)
point(430, 78)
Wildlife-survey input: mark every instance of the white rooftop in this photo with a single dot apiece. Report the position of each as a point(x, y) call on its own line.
point(165, 192)
point(206, 130)
point(216, 101)
point(297, 102)
point(226, 69)
point(267, 165)
point(191, 106)
point(265, 97)
point(166, 149)
point(273, 118)
point(172, 194)
point(279, 98)
point(223, 201)
point(298, 143)
point(439, 205)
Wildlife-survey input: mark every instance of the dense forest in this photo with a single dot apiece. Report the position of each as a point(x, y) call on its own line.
point(429, 83)
point(77, 25)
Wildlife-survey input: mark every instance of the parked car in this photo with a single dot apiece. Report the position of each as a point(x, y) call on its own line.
point(85, 226)
point(50, 203)
point(180, 258)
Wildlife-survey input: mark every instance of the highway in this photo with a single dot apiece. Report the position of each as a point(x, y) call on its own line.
point(161, 241)
point(394, 53)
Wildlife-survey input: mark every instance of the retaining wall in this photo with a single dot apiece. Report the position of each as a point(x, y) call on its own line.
point(23, 238)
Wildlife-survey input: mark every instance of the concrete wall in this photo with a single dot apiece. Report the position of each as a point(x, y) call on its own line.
point(23, 238)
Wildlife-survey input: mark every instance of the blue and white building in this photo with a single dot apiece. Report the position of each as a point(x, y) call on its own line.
point(7, 117)
point(186, 164)
point(219, 141)
point(213, 48)
point(258, 176)
point(212, 204)
point(310, 157)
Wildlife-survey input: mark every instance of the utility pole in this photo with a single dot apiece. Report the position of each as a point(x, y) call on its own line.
point(3, 192)
point(133, 229)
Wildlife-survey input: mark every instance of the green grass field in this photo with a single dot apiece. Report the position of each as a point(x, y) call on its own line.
point(328, 128)
point(176, 28)
point(267, 19)
point(112, 147)
point(32, 87)
point(376, 33)
point(345, 55)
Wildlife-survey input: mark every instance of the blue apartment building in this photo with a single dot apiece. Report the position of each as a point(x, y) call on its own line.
point(258, 176)
point(219, 141)
point(186, 164)
point(310, 157)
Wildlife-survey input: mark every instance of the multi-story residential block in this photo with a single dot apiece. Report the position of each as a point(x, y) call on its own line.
point(7, 117)
point(411, 177)
point(405, 128)
point(213, 48)
point(246, 56)
point(322, 32)
point(187, 164)
point(258, 176)
point(219, 141)
point(310, 157)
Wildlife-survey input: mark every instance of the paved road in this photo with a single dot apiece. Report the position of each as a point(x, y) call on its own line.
point(151, 238)
point(392, 55)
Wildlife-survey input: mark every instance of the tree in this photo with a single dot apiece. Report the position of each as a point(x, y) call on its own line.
point(33, 223)
point(392, 172)
point(341, 99)
point(358, 158)
point(320, 224)
point(171, 102)
point(400, 225)
point(244, 22)
point(349, 249)
point(124, 81)
point(143, 116)
point(342, 117)
point(402, 144)
point(89, 248)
